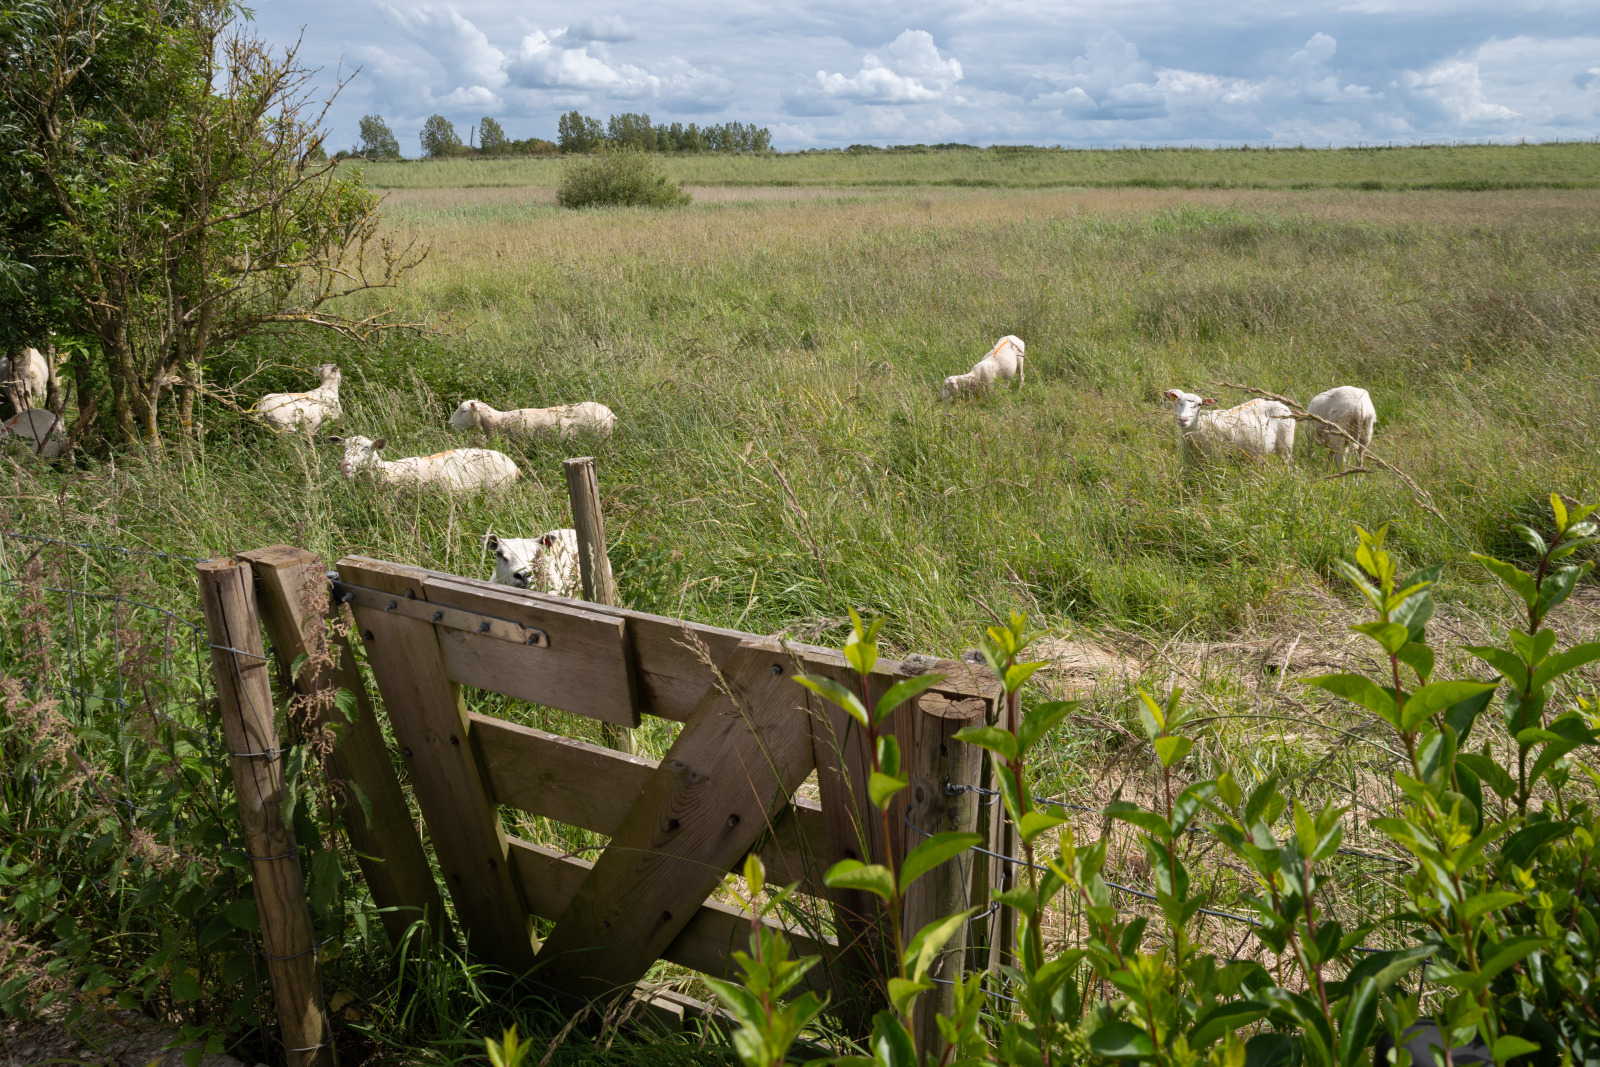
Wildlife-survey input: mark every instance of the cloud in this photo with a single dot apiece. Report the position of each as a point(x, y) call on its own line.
point(612, 29)
point(1456, 86)
point(454, 43)
point(913, 72)
point(1108, 82)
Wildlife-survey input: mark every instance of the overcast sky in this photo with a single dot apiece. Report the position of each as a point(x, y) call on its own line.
point(835, 72)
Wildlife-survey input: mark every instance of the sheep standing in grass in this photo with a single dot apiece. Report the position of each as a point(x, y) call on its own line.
point(565, 421)
point(1350, 408)
point(1003, 362)
point(547, 563)
point(459, 468)
point(1256, 427)
point(307, 411)
point(27, 380)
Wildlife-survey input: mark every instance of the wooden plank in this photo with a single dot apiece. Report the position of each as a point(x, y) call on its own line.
point(249, 723)
point(430, 723)
point(293, 599)
point(594, 562)
point(587, 670)
point(586, 785)
point(735, 764)
point(704, 944)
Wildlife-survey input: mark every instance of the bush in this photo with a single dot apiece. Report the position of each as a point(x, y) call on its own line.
point(618, 176)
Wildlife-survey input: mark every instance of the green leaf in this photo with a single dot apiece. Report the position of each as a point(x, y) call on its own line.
point(1461, 715)
point(755, 874)
point(1490, 770)
point(882, 788)
point(1357, 578)
point(902, 691)
point(1037, 822)
point(1361, 691)
point(890, 1044)
point(1419, 658)
point(889, 756)
point(834, 693)
point(242, 913)
point(1150, 821)
point(1557, 585)
point(903, 991)
point(1558, 508)
point(1018, 673)
point(1436, 697)
point(1521, 846)
point(1519, 582)
point(1169, 750)
point(1000, 742)
point(1503, 954)
point(1223, 1019)
point(1041, 720)
point(1392, 637)
point(1475, 906)
point(1503, 661)
point(1360, 1017)
point(932, 852)
point(853, 874)
point(931, 940)
point(1508, 1047)
point(185, 986)
point(1122, 1041)
point(1570, 660)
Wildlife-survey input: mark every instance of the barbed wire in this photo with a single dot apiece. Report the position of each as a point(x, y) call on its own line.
point(19, 535)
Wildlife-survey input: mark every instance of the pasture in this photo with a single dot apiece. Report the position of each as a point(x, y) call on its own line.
point(773, 353)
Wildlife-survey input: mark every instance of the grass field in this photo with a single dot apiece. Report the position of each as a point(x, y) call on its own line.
point(1568, 165)
point(774, 355)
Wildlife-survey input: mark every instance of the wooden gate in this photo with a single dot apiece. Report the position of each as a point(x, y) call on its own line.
point(751, 737)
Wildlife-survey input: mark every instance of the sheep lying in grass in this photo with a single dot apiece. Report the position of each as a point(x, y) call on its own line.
point(565, 421)
point(32, 377)
point(1256, 427)
point(38, 428)
point(1350, 408)
point(547, 563)
point(307, 411)
point(459, 468)
point(1003, 362)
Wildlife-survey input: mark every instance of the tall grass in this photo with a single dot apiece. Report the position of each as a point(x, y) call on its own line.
point(1565, 165)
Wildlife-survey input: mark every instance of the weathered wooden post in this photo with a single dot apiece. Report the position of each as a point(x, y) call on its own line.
point(292, 590)
point(244, 692)
point(594, 565)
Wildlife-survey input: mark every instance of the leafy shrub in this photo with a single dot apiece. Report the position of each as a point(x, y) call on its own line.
point(618, 177)
point(1500, 898)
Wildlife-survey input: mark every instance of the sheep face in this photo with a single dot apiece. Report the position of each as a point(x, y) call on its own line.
point(952, 386)
point(465, 416)
point(360, 453)
point(527, 562)
point(328, 372)
point(1187, 406)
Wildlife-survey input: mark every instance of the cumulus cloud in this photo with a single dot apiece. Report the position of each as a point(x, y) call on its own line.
point(611, 29)
point(911, 71)
point(1109, 81)
point(1455, 85)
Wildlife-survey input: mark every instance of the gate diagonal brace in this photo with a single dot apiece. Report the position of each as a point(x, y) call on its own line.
point(440, 615)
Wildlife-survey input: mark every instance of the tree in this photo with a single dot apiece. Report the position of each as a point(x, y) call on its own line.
point(492, 140)
point(439, 138)
point(159, 187)
point(579, 133)
point(377, 140)
point(631, 130)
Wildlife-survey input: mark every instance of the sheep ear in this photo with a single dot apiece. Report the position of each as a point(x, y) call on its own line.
point(492, 542)
point(334, 439)
point(547, 540)
point(1208, 402)
point(379, 443)
point(1171, 394)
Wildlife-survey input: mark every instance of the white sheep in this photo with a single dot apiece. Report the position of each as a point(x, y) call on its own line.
point(565, 420)
point(459, 468)
point(1350, 408)
point(37, 427)
point(307, 411)
point(547, 563)
point(1256, 427)
point(32, 376)
point(1003, 362)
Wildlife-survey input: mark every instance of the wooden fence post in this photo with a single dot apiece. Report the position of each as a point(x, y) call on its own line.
point(939, 762)
point(599, 587)
point(381, 831)
point(244, 692)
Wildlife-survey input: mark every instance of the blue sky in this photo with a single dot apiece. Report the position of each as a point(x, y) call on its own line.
point(824, 73)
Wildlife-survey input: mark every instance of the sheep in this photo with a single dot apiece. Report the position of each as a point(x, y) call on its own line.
point(547, 563)
point(1004, 361)
point(39, 428)
point(1256, 427)
point(1350, 408)
point(459, 468)
point(32, 377)
point(307, 411)
point(565, 421)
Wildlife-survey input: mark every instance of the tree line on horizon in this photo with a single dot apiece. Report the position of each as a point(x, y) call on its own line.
point(575, 133)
